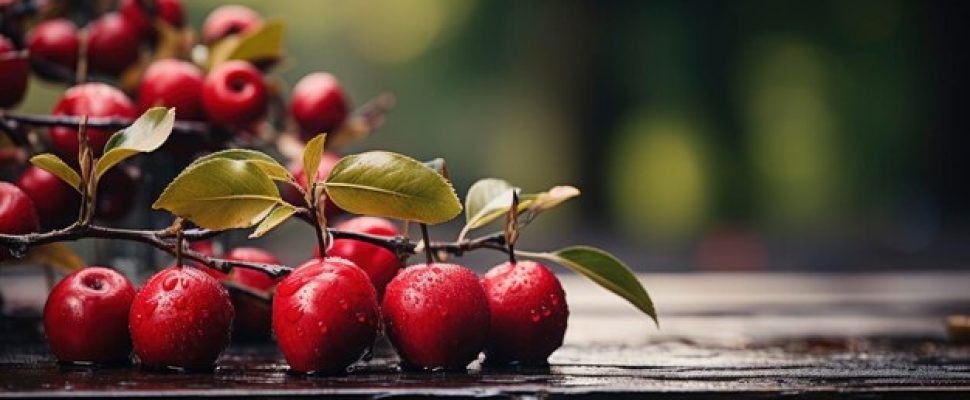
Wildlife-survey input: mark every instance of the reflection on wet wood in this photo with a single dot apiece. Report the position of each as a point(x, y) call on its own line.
point(739, 336)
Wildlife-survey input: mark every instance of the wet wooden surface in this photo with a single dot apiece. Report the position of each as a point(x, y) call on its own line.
point(723, 336)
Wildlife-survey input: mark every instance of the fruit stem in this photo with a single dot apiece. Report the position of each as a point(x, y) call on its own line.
point(179, 241)
point(428, 254)
point(512, 226)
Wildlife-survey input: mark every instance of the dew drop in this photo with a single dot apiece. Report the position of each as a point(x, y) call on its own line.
point(535, 315)
point(361, 317)
point(294, 313)
point(323, 327)
point(343, 304)
point(553, 299)
point(170, 283)
point(546, 312)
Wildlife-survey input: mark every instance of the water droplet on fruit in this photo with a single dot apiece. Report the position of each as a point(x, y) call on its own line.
point(443, 311)
point(361, 317)
point(535, 315)
point(435, 270)
point(294, 313)
point(170, 283)
point(323, 327)
point(546, 312)
point(343, 304)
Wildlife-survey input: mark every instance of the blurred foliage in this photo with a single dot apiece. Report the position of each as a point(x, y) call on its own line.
point(793, 120)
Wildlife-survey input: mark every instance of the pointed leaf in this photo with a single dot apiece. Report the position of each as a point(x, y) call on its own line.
point(146, 134)
point(605, 270)
point(276, 217)
point(221, 194)
point(547, 200)
point(53, 164)
point(481, 193)
point(264, 43)
point(270, 166)
point(392, 185)
point(312, 154)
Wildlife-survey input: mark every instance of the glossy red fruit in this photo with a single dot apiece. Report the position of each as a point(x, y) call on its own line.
point(138, 13)
point(323, 171)
point(86, 316)
point(380, 263)
point(93, 100)
point(17, 213)
point(325, 315)
point(14, 69)
point(436, 316)
point(234, 93)
point(57, 202)
point(173, 83)
point(253, 316)
point(318, 104)
point(528, 313)
point(113, 44)
point(181, 318)
point(55, 41)
point(229, 20)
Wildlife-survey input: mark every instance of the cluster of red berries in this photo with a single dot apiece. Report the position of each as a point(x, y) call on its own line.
point(324, 314)
point(233, 95)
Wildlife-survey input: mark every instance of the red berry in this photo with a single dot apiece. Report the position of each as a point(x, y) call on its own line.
point(135, 11)
point(14, 69)
point(181, 318)
point(436, 316)
point(57, 202)
point(380, 263)
point(229, 20)
point(323, 171)
point(113, 44)
point(318, 104)
point(94, 100)
point(55, 41)
point(173, 83)
point(253, 316)
point(325, 315)
point(17, 213)
point(234, 94)
point(529, 312)
point(86, 316)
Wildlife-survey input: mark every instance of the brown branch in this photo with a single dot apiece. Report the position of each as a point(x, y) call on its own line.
point(165, 240)
point(109, 123)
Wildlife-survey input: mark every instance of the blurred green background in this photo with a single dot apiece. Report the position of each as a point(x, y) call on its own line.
point(711, 135)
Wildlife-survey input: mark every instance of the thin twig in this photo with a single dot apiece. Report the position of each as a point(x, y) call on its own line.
point(108, 123)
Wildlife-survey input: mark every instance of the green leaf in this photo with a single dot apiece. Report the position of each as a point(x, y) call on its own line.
point(270, 166)
point(276, 217)
point(53, 164)
point(392, 185)
point(221, 194)
point(605, 270)
point(264, 43)
point(146, 134)
point(312, 154)
point(547, 200)
point(487, 200)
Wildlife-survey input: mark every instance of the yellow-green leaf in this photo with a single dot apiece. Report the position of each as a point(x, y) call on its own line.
point(146, 134)
point(440, 166)
point(264, 43)
point(221, 194)
point(270, 166)
point(605, 270)
point(57, 255)
point(487, 200)
point(312, 154)
point(392, 185)
point(276, 217)
point(53, 164)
